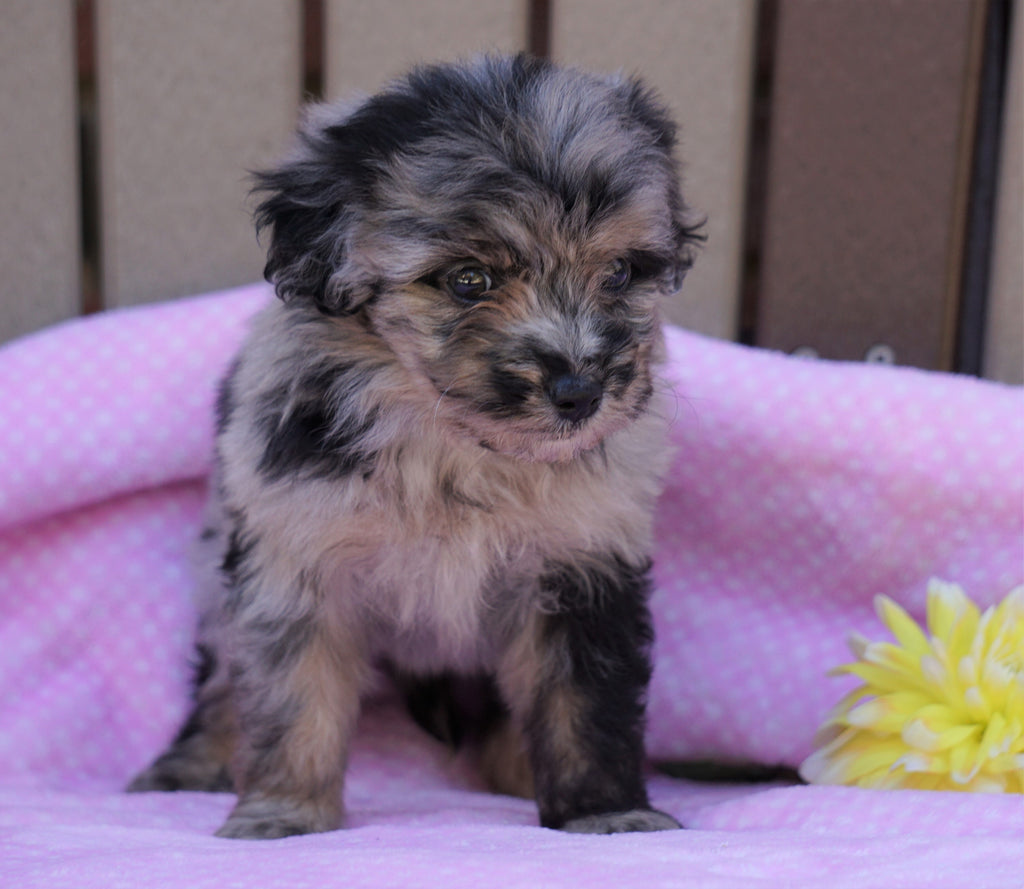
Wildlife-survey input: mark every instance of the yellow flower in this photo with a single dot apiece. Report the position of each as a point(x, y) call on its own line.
point(942, 710)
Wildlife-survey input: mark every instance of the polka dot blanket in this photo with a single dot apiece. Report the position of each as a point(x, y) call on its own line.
point(799, 491)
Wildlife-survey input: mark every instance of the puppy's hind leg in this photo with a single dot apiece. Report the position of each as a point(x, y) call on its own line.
point(468, 712)
point(199, 756)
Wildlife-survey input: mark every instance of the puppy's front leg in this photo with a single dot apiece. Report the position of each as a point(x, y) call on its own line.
point(296, 686)
point(576, 678)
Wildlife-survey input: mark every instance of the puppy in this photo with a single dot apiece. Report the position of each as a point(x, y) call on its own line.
point(439, 452)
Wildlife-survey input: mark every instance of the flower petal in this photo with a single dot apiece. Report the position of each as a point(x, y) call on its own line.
point(881, 679)
point(902, 625)
point(920, 736)
point(946, 603)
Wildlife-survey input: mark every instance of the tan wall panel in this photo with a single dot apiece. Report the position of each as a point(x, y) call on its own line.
point(370, 41)
point(1004, 348)
point(865, 177)
point(192, 95)
point(39, 244)
point(698, 54)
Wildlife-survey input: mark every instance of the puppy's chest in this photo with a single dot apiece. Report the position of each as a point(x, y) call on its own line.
point(425, 514)
point(443, 551)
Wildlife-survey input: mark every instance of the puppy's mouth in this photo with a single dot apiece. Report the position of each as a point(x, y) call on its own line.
point(539, 446)
point(567, 417)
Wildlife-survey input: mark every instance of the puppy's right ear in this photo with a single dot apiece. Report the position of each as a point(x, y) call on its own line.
point(310, 205)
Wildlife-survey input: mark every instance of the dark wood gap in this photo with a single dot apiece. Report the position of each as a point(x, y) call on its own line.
point(538, 38)
point(758, 146)
point(90, 215)
point(313, 50)
point(982, 190)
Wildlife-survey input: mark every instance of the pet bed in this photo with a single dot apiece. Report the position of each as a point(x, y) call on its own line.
point(799, 491)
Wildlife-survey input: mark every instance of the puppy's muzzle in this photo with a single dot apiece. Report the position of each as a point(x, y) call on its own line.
point(575, 397)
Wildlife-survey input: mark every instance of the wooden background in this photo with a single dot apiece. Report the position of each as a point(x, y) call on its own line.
point(859, 161)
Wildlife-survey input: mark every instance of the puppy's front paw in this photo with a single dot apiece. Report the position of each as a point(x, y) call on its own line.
point(263, 818)
point(633, 821)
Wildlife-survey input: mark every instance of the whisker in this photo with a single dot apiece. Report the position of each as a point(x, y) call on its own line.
point(444, 394)
point(437, 406)
point(677, 398)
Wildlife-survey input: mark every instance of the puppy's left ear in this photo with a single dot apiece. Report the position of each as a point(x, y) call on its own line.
point(649, 112)
point(688, 229)
point(312, 207)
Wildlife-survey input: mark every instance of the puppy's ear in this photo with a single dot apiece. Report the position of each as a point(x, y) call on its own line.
point(688, 229)
point(650, 113)
point(311, 205)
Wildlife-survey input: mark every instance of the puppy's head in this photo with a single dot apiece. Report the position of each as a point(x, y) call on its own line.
point(505, 228)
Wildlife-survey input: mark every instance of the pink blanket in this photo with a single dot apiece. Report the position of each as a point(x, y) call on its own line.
point(799, 491)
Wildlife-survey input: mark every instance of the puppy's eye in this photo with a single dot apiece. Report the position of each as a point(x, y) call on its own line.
point(618, 276)
point(469, 283)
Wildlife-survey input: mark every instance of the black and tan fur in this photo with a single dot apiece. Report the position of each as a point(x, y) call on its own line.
point(439, 452)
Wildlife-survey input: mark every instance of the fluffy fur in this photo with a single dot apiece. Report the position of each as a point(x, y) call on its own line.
point(440, 451)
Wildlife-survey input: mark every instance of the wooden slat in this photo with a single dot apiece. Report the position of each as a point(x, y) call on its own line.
point(868, 162)
point(192, 95)
point(39, 243)
point(371, 41)
point(698, 54)
point(1004, 347)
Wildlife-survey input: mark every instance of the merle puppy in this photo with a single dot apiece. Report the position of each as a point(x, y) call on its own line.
point(439, 452)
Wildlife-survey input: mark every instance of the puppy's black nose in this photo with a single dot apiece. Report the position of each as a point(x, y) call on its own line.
point(575, 398)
